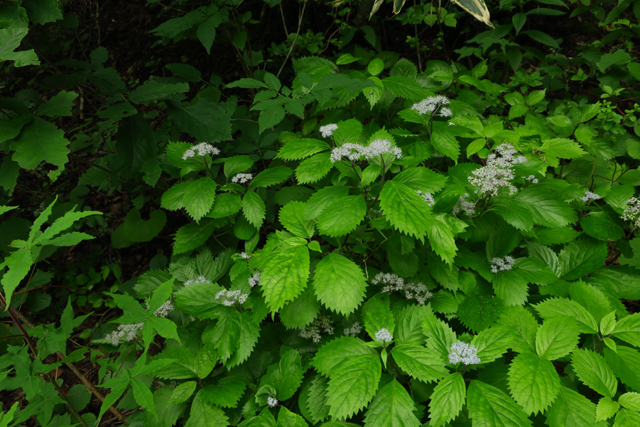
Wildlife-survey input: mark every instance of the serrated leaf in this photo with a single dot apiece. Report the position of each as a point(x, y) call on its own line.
point(441, 238)
point(198, 197)
point(203, 414)
point(511, 287)
point(562, 148)
point(545, 207)
point(421, 178)
point(301, 311)
point(272, 176)
point(447, 399)
point(571, 409)
point(627, 418)
point(342, 216)
point(524, 327)
point(489, 406)
point(203, 119)
point(418, 362)
point(478, 312)
point(286, 418)
point(225, 204)
point(317, 399)
point(439, 335)
point(339, 283)
point(286, 376)
point(405, 87)
point(377, 315)
point(493, 342)
point(58, 105)
point(409, 325)
point(301, 148)
point(226, 393)
point(446, 143)
point(628, 329)
point(625, 361)
point(601, 227)
point(322, 198)
point(314, 168)
point(392, 407)
point(404, 209)
point(253, 208)
point(284, 277)
point(591, 298)
point(581, 257)
point(594, 371)
point(182, 392)
point(556, 338)
point(534, 382)
point(191, 236)
point(606, 409)
point(630, 400)
point(153, 90)
point(563, 308)
point(292, 218)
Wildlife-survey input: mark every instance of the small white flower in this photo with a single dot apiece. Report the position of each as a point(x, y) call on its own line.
point(355, 152)
point(465, 205)
point(230, 298)
point(202, 149)
point(589, 196)
point(164, 309)
point(384, 336)
point(427, 197)
point(327, 130)
point(632, 213)
point(502, 264)
point(432, 104)
point(497, 174)
point(463, 352)
point(314, 330)
point(245, 255)
point(254, 280)
point(354, 330)
point(242, 178)
point(272, 402)
point(395, 283)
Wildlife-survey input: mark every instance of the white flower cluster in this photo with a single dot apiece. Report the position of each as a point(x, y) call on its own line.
point(463, 352)
point(197, 280)
point(201, 149)
point(254, 280)
point(395, 283)
point(231, 297)
point(384, 336)
point(465, 205)
point(531, 178)
point(497, 174)
point(130, 331)
point(432, 105)
point(427, 197)
point(354, 151)
point(245, 255)
point(502, 264)
point(241, 178)
point(354, 330)
point(314, 330)
point(272, 402)
point(327, 130)
point(589, 196)
point(632, 213)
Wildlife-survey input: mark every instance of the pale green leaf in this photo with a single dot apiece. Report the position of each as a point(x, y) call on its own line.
point(409, 325)
point(253, 208)
point(342, 216)
point(198, 197)
point(339, 283)
point(439, 335)
point(631, 401)
point(556, 338)
point(286, 418)
point(286, 376)
point(292, 218)
point(441, 238)
point(606, 409)
point(301, 148)
point(628, 329)
point(493, 342)
point(284, 277)
point(392, 407)
point(419, 362)
point(524, 327)
point(591, 298)
point(225, 204)
point(314, 168)
point(447, 399)
point(627, 418)
point(376, 313)
point(625, 361)
point(404, 209)
point(272, 176)
point(563, 308)
point(489, 406)
point(353, 385)
point(322, 198)
point(421, 178)
point(571, 409)
point(533, 381)
point(594, 371)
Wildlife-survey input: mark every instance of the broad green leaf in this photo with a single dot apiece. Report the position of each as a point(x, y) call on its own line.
point(630, 400)
point(226, 393)
point(419, 362)
point(556, 338)
point(301, 148)
point(286, 418)
point(348, 131)
point(447, 400)
point(301, 311)
point(286, 376)
point(619, 281)
point(330, 357)
point(546, 208)
point(314, 168)
point(182, 392)
point(543, 38)
point(446, 143)
point(317, 399)
point(593, 371)
point(493, 342)
point(40, 141)
point(440, 337)
point(441, 238)
point(627, 418)
point(19, 263)
point(511, 287)
point(246, 341)
point(292, 218)
point(421, 178)
point(10, 39)
point(591, 298)
point(198, 197)
point(153, 90)
point(285, 276)
point(225, 204)
point(322, 198)
point(191, 236)
point(534, 382)
point(58, 105)
point(342, 216)
point(236, 164)
point(606, 409)
point(581, 257)
point(601, 227)
point(489, 406)
point(376, 313)
point(628, 329)
point(172, 199)
point(625, 361)
point(409, 325)
point(203, 119)
point(204, 414)
point(253, 208)
point(562, 308)
point(272, 176)
point(339, 283)
point(199, 299)
point(404, 87)
point(571, 409)
point(392, 407)
point(445, 275)
point(143, 396)
point(478, 312)
point(562, 148)
point(524, 327)
point(404, 209)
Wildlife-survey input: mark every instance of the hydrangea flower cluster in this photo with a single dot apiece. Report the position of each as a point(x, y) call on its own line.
point(383, 336)
point(589, 196)
point(327, 130)
point(130, 331)
point(354, 330)
point(197, 280)
point(497, 173)
point(354, 151)
point(395, 283)
point(502, 264)
point(201, 149)
point(465, 205)
point(432, 105)
point(531, 178)
point(427, 197)
point(254, 280)
point(272, 402)
point(231, 297)
point(314, 330)
point(245, 255)
point(242, 178)
point(463, 352)
point(632, 213)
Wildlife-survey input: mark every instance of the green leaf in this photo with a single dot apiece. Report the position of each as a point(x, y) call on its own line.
point(58, 105)
point(478, 312)
point(515, 213)
point(38, 142)
point(409, 325)
point(314, 168)
point(543, 38)
point(404, 209)
point(10, 39)
point(285, 276)
point(143, 396)
point(630, 401)
point(198, 197)
point(285, 377)
point(19, 263)
point(43, 11)
point(556, 338)
point(606, 409)
point(236, 164)
point(153, 90)
point(206, 32)
point(418, 362)
point(317, 400)
point(377, 315)
point(592, 299)
point(493, 342)
point(199, 299)
point(511, 287)
point(546, 209)
point(562, 148)
point(286, 418)
point(342, 216)
point(270, 177)
point(339, 283)
point(439, 335)
point(405, 87)
point(624, 362)
point(534, 382)
point(561, 308)
point(191, 236)
point(447, 400)
point(594, 372)
point(292, 218)
point(203, 119)
point(601, 227)
point(489, 406)
point(627, 418)
point(581, 257)
point(182, 392)
point(301, 148)
point(571, 409)
point(322, 198)
point(301, 311)
point(392, 407)
point(253, 208)
point(225, 204)
point(441, 238)
point(524, 327)
point(628, 329)
point(203, 414)
point(619, 281)
point(421, 178)
point(446, 143)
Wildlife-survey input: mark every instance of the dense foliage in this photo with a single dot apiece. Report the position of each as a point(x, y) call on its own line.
point(203, 227)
